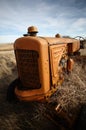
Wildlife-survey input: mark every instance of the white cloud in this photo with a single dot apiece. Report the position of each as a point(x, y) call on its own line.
point(49, 17)
point(81, 22)
point(77, 27)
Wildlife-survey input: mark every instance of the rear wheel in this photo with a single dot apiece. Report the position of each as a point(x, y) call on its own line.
point(10, 91)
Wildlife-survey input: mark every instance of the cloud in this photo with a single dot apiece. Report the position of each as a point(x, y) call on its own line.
point(81, 22)
point(78, 27)
point(51, 17)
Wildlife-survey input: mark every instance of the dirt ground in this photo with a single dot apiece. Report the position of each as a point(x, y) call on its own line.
point(38, 115)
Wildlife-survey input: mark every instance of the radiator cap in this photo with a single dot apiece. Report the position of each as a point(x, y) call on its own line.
point(58, 35)
point(32, 29)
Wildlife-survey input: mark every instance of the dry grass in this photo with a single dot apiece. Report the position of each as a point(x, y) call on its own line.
point(30, 116)
point(6, 47)
point(7, 69)
point(73, 91)
point(83, 51)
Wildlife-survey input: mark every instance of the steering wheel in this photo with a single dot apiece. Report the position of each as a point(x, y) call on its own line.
point(80, 38)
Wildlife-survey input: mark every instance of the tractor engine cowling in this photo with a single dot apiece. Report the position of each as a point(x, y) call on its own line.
point(41, 63)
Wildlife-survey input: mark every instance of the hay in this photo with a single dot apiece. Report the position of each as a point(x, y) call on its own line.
point(72, 94)
point(8, 71)
point(18, 116)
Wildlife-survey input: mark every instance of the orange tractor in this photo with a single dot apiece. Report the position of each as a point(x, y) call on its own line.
point(41, 64)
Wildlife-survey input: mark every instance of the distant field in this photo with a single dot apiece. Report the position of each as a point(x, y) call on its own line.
point(6, 47)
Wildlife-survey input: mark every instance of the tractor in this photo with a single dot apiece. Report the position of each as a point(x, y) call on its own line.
point(41, 63)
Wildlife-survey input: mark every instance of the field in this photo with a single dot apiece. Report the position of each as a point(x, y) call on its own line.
point(6, 47)
point(40, 115)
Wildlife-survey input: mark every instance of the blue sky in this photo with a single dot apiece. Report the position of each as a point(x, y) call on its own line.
point(67, 17)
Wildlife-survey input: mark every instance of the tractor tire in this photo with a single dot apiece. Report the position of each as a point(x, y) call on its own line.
point(11, 97)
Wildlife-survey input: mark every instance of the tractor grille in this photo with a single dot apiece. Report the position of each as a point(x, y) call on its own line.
point(28, 69)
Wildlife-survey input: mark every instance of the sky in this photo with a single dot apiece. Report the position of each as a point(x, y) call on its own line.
point(67, 17)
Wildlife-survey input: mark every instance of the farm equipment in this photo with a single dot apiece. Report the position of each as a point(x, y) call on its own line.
point(41, 64)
